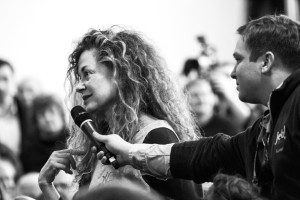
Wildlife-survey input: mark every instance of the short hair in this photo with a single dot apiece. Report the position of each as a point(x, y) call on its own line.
point(276, 33)
point(229, 187)
point(45, 101)
point(122, 190)
point(190, 65)
point(4, 62)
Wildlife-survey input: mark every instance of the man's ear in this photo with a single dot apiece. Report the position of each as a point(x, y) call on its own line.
point(268, 60)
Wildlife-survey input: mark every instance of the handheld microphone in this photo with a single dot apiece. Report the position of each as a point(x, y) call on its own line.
point(84, 120)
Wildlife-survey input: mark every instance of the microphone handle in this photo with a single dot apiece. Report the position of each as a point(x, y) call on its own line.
point(88, 129)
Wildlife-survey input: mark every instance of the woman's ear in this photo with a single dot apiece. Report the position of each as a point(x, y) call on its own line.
point(268, 58)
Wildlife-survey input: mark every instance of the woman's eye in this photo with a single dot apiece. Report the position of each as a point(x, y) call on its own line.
point(86, 74)
point(238, 60)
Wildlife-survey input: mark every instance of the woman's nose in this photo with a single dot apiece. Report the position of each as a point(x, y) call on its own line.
point(233, 74)
point(80, 87)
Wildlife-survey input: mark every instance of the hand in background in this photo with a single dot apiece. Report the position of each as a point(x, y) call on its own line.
point(226, 89)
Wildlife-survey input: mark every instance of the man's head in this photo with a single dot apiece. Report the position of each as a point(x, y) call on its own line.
point(28, 89)
point(277, 34)
point(266, 53)
point(6, 79)
point(49, 116)
point(10, 169)
point(202, 99)
point(231, 187)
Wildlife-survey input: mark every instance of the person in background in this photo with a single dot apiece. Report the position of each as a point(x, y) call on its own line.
point(27, 185)
point(11, 114)
point(226, 187)
point(203, 102)
point(28, 89)
point(117, 191)
point(267, 72)
point(49, 135)
point(122, 82)
point(207, 58)
point(10, 171)
point(190, 71)
point(230, 106)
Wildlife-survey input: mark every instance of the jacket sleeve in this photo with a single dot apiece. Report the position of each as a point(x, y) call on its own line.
point(174, 188)
point(202, 159)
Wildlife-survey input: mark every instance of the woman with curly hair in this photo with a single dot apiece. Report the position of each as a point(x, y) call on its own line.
point(121, 81)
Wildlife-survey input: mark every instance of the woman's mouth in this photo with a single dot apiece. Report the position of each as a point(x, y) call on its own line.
point(85, 97)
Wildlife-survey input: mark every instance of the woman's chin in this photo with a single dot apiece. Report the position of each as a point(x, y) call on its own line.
point(90, 108)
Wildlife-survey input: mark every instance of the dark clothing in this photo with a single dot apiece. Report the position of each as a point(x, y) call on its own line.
point(175, 188)
point(276, 168)
point(36, 152)
point(218, 124)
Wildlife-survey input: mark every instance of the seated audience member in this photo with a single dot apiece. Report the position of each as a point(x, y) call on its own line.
point(123, 190)
point(50, 132)
point(28, 185)
point(227, 187)
point(11, 113)
point(28, 89)
point(10, 170)
point(203, 102)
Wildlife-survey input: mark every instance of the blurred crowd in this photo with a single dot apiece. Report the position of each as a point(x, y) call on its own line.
point(32, 126)
point(33, 122)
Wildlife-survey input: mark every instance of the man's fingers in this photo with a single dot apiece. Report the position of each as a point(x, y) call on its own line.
point(100, 155)
point(104, 161)
point(99, 137)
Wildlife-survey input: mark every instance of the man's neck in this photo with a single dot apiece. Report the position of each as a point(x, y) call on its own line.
point(275, 81)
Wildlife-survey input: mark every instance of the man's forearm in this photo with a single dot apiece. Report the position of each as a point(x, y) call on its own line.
point(151, 159)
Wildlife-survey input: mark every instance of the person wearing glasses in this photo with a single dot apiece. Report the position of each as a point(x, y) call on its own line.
point(267, 72)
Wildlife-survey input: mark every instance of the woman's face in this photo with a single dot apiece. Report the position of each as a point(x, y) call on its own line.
point(96, 84)
point(50, 123)
point(7, 176)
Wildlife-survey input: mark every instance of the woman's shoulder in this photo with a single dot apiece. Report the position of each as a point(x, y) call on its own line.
point(161, 135)
point(151, 129)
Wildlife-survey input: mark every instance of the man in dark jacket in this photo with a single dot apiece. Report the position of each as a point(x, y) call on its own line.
point(267, 154)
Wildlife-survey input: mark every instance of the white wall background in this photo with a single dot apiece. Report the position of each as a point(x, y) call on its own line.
point(36, 35)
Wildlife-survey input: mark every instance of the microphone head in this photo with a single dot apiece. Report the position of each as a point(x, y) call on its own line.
point(79, 115)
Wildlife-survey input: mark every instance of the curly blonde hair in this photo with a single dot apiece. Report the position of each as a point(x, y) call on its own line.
point(144, 85)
